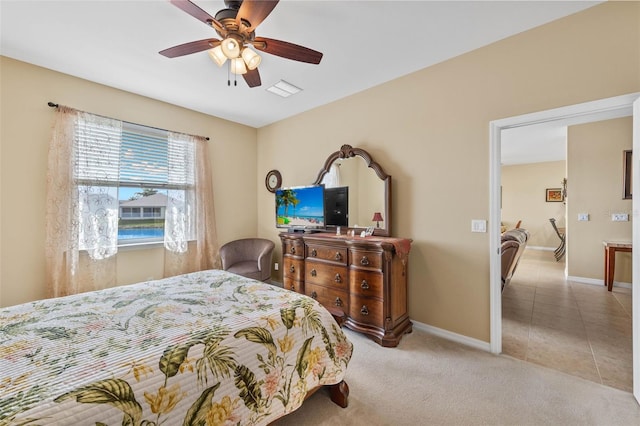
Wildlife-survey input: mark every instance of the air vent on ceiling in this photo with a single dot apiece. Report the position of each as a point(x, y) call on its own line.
point(284, 89)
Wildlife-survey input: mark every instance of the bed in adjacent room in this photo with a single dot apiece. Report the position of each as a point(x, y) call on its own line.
point(208, 347)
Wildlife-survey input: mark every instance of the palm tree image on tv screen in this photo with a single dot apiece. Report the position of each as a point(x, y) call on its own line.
point(300, 207)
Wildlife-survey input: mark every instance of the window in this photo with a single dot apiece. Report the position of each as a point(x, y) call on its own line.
point(129, 212)
point(126, 179)
point(152, 212)
point(103, 173)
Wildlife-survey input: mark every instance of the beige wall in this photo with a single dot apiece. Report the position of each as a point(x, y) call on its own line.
point(429, 130)
point(524, 198)
point(595, 187)
point(26, 124)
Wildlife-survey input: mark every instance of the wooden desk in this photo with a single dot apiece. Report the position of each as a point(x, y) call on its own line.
point(610, 249)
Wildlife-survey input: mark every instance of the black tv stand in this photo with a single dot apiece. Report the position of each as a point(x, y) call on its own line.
point(303, 230)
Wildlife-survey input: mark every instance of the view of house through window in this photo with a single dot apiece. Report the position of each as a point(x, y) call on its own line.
point(141, 213)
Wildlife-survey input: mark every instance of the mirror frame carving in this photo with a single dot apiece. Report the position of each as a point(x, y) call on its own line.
point(347, 151)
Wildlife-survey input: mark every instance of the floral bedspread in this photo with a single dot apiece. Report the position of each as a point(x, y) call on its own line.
point(207, 348)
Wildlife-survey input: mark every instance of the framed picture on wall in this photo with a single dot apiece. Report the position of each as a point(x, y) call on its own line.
point(626, 173)
point(554, 195)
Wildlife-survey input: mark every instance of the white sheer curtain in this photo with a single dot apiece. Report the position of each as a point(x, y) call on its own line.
point(190, 231)
point(82, 204)
point(332, 178)
point(82, 208)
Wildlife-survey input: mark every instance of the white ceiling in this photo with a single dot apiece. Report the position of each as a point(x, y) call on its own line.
point(116, 43)
point(534, 144)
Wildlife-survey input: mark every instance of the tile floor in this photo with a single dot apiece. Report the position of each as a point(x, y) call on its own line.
point(576, 328)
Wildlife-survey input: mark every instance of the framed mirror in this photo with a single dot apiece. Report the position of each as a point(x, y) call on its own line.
point(357, 191)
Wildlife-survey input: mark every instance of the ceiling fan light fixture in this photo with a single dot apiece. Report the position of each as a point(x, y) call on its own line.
point(217, 55)
point(238, 66)
point(230, 47)
point(251, 58)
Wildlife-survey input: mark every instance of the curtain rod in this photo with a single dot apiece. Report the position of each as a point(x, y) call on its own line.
point(54, 105)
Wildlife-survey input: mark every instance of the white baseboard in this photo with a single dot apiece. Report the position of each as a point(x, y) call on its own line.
point(595, 281)
point(455, 337)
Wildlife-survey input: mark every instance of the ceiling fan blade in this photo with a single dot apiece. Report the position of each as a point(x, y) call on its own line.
point(255, 11)
point(252, 77)
point(196, 12)
point(287, 50)
point(189, 48)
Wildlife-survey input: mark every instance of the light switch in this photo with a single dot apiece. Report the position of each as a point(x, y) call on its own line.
point(583, 217)
point(478, 225)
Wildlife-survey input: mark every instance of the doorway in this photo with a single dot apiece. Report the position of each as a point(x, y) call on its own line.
point(620, 106)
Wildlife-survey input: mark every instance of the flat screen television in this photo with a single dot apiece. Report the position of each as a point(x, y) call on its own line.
point(300, 207)
point(336, 205)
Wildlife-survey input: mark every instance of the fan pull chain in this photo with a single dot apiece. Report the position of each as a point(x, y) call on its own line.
point(235, 76)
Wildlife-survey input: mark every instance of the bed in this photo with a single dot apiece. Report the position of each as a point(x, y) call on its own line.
point(206, 348)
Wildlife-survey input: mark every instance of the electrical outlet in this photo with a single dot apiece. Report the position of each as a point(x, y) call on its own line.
point(619, 217)
point(478, 225)
point(275, 266)
point(583, 217)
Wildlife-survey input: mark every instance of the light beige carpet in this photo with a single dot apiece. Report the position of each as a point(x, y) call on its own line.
point(428, 380)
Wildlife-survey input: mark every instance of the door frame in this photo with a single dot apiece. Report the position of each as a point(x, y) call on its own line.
point(602, 109)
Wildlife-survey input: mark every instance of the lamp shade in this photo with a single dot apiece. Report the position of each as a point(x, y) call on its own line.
point(377, 217)
point(230, 47)
point(251, 58)
point(217, 55)
point(237, 66)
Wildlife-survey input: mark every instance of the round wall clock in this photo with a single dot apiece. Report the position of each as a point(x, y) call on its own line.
point(273, 180)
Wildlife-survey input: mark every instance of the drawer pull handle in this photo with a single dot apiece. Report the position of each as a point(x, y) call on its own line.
point(338, 301)
point(338, 278)
point(314, 295)
point(293, 250)
point(293, 287)
point(364, 310)
point(314, 253)
point(364, 285)
point(313, 273)
point(364, 261)
point(292, 268)
point(338, 256)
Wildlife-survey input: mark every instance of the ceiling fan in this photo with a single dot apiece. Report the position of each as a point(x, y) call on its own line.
point(236, 26)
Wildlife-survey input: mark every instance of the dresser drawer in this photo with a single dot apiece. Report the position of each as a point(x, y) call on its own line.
point(366, 283)
point(366, 310)
point(293, 268)
point(326, 274)
point(366, 259)
point(329, 297)
point(293, 248)
point(293, 285)
point(333, 254)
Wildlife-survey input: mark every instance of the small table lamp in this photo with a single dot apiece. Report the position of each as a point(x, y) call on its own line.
point(377, 218)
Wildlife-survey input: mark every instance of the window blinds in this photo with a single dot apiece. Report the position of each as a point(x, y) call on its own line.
point(112, 153)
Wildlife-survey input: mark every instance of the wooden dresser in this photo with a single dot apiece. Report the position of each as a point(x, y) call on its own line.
point(361, 279)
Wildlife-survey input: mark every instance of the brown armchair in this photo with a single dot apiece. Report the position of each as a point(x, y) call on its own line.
point(249, 257)
point(512, 245)
point(508, 256)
